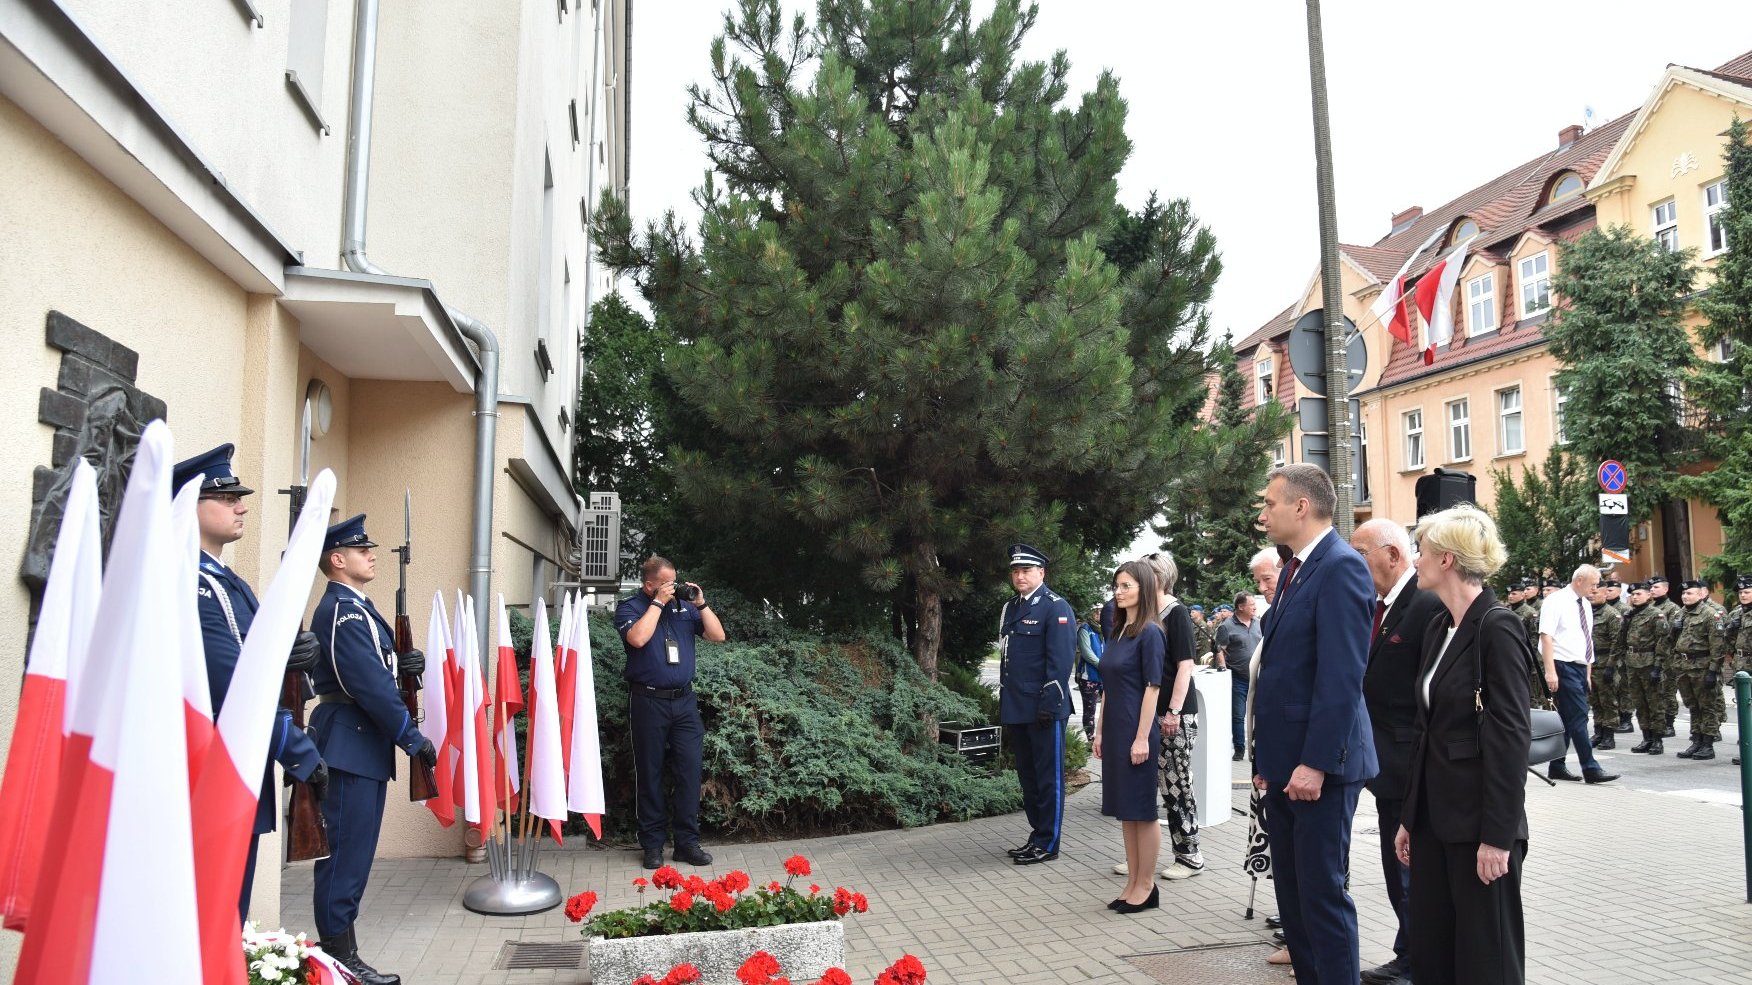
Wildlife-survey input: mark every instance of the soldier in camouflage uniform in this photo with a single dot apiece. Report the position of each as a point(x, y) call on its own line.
point(1737, 637)
point(1615, 598)
point(1672, 614)
point(1608, 669)
point(1697, 652)
point(1536, 592)
point(1203, 633)
point(1647, 644)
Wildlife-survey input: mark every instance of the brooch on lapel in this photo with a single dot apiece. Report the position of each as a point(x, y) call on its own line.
point(1396, 638)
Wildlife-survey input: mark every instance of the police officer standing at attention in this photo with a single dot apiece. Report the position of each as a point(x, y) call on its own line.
point(227, 608)
point(1037, 642)
point(657, 627)
point(359, 723)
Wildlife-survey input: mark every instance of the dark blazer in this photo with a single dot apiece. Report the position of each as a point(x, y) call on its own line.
point(1308, 693)
point(358, 660)
point(1040, 644)
point(1469, 779)
point(1390, 686)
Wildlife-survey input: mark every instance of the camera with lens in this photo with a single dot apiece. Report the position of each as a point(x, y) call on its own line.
point(686, 592)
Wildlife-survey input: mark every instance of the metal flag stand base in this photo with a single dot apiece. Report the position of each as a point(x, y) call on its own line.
point(513, 886)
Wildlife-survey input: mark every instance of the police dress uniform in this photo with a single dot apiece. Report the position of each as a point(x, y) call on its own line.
point(664, 716)
point(359, 723)
point(1038, 641)
point(228, 608)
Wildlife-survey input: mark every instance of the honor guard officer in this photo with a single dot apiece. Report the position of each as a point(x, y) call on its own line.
point(227, 608)
point(359, 723)
point(658, 626)
point(1037, 643)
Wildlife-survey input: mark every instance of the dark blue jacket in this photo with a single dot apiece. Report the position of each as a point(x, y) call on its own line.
point(1308, 694)
point(1039, 640)
point(358, 661)
point(217, 586)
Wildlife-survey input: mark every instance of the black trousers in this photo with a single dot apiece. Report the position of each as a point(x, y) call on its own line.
point(1040, 758)
point(1396, 876)
point(668, 741)
point(1464, 932)
point(353, 811)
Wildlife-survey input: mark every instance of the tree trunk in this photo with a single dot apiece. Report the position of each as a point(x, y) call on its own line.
point(1676, 539)
point(928, 638)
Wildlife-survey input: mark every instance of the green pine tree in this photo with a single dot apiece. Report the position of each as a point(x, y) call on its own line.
point(1723, 390)
point(1620, 335)
point(1549, 519)
point(899, 342)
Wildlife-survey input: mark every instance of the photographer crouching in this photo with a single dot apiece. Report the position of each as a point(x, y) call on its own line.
point(658, 626)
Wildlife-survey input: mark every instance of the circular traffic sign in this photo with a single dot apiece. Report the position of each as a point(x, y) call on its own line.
point(1612, 476)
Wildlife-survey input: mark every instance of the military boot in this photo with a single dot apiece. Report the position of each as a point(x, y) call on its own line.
point(1705, 750)
point(344, 948)
point(1690, 750)
point(1624, 727)
point(1668, 733)
point(1650, 741)
point(1605, 740)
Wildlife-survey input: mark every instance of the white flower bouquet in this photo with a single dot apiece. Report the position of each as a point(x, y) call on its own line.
point(278, 958)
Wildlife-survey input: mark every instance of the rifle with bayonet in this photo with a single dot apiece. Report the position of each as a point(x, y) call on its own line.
point(422, 779)
point(307, 833)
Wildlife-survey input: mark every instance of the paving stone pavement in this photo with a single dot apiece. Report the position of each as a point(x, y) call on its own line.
point(1621, 886)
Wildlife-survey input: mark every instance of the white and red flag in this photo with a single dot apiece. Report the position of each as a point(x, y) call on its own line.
point(566, 678)
point(477, 755)
point(507, 702)
point(584, 771)
point(33, 763)
point(438, 726)
point(1389, 307)
point(123, 890)
point(547, 772)
point(225, 800)
point(197, 694)
point(1435, 297)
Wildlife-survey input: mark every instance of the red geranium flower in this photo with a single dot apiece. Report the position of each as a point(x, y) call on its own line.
point(736, 881)
point(759, 969)
point(860, 903)
point(645, 980)
point(774, 886)
point(694, 884)
point(814, 888)
point(666, 877)
point(640, 883)
point(681, 974)
point(720, 899)
point(834, 976)
point(842, 901)
point(797, 865)
point(579, 906)
point(681, 902)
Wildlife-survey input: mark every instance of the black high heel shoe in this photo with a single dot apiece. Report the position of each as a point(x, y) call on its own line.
point(1154, 901)
point(1116, 904)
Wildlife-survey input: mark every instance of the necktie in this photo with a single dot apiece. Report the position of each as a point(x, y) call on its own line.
point(1587, 630)
point(1380, 612)
point(1289, 576)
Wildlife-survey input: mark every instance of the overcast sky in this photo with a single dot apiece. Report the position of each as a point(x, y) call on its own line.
point(1427, 100)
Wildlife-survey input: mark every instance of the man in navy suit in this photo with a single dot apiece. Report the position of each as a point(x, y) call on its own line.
point(1312, 744)
point(228, 608)
point(359, 722)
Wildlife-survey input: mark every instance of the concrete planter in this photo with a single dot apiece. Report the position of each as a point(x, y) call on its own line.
point(805, 951)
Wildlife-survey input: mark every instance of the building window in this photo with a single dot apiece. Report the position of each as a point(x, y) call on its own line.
point(1715, 199)
point(1464, 231)
point(1559, 402)
point(1481, 306)
point(306, 34)
point(1568, 186)
point(1414, 452)
point(1535, 284)
point(1459, 429)
point(1277, 455)
point(1725, 350)
point(1360, 462)
point(1511, 434)
point(1263, 380)
point(1667, 224)
point(1676, 400)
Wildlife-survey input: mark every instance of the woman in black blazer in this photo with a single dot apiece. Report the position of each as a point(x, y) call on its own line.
point(1464, 828)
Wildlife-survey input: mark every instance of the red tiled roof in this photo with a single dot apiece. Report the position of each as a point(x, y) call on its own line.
point(1278, 324)
point(1738, 69)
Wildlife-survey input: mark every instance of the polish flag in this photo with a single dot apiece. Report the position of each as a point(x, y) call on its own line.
point(225, 799)
point(507, 702)
point(63, 630)
point(438, 724)
point(124, 892)
point(584, 774)
point(477, 756)
point(197, 694)
point(1435, 296)
point(1389, 308)
point(547, 772)
point(461, 628)
point(566, 678)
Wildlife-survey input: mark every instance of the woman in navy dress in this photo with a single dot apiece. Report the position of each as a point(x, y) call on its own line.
point(1126, 740)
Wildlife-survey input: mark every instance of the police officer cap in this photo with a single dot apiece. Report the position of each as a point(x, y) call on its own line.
point(1657, 580)
point(1694, 583)
point(216, 466)
point(348, 533)
point(1743, 583)
point(1023, 556)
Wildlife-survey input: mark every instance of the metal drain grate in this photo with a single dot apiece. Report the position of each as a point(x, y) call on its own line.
point(529, 955)
point(1218, 964)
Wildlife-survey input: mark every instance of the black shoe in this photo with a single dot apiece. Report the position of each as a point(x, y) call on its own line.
point(1020, 850)
point(1597, 775)
point(1153, 901)
point(1690, 750)
point(1561, 772)
point(1668, 733)
point(1705, 750)
point(344, 948)
point(1649, 742)
point(1236, 758)
point(1657, 748)
point(692, 855)
point(1736, 760)
point(1273, 923)
point(1605, 741)
point(1116, 904)
point(1277, 938)
point(1623, 725)
point(1035, 856)
point(653, 858)
point(1385, 974)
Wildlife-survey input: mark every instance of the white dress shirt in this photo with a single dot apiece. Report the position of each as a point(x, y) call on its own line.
point(1569, 620)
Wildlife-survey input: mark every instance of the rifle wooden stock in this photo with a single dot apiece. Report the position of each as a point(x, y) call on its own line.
point(307, 834)
point(422, 780)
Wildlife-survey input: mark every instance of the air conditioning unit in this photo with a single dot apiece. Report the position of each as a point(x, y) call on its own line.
point(599, 541)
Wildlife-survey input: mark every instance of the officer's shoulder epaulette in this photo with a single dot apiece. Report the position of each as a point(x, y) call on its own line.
point(1052, 596)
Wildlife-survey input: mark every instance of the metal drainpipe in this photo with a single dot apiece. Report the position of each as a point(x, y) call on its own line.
point(480, 563)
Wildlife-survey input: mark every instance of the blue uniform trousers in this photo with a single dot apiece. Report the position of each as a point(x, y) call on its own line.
point(1040, 756)
point(1310, 852)
point(255, 842)
point(1572, 707)
point(353, 811)
point(668, 739)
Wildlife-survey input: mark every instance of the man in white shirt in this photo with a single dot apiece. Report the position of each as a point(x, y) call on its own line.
point(1566, 647)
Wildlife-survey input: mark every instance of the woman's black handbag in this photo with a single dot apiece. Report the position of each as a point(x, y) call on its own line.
point(1548, 738)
